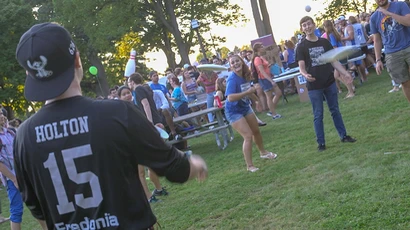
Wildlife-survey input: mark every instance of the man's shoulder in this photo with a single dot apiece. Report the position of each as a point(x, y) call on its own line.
point(375, 17)
point(157, 86)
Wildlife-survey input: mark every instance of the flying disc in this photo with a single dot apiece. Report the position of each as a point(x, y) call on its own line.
point(162, 133)
point(338, 54)
point(211, 67)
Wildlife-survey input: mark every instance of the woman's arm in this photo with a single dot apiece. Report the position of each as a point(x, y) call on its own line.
point(238, 96)
point(285, 56)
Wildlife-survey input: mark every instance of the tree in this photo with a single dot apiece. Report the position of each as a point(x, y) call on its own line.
point(263, 26)
point(15, 19)
point(246, 47)
point(224, 52)
point(200, 56)
point(97, 30)
point(176, 17)
point(335, 8)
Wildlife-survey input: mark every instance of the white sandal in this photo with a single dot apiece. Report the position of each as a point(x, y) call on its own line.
point(269, 155)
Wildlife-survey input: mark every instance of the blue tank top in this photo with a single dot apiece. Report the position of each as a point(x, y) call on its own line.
point(291, 56)
point(190, 86)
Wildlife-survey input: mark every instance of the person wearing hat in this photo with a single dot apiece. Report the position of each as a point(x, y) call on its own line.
point(76, 158)
point(390, 25)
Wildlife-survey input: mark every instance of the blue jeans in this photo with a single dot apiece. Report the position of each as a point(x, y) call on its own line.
point(316, 97)
point(16, 202)
point(210, 104)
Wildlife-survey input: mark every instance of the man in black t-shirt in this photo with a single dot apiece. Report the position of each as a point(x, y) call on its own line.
point(144, 99)
point(320, 81)
point(76, 158)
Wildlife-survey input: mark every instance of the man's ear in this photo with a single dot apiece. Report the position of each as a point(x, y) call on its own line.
point(77, 60)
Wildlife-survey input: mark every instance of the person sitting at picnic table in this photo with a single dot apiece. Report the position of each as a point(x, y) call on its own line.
point(178, 99)
point(239, 113)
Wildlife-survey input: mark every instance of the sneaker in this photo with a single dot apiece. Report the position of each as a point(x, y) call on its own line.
point(162, 192)
point(348, 139)
point(188, 153)
point(153, 199)
point(395, 89)
point(178, 137)
point(321, 147)
point(277, 116)
point(269, 114)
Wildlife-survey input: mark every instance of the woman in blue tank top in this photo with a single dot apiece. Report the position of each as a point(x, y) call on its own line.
point(335, 39)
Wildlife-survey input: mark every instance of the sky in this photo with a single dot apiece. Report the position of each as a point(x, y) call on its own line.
point(284, 16)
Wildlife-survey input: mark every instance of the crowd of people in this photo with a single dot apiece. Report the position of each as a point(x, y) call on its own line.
point(73, 174)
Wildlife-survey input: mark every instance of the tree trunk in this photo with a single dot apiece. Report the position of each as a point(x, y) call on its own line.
point(103, 87)
point(265, 17)
point(171, 25)
point(182, 47)
point(267, 28)
point(167, 49)
point(257, 17)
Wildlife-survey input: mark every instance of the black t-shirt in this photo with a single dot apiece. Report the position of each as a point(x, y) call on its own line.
point(142, 93)
point(76, 164)
point(309, 52)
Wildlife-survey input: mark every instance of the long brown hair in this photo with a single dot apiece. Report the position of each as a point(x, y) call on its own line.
point(289, 44)
point(246, 73)
point(219, 85)
point(330, 29)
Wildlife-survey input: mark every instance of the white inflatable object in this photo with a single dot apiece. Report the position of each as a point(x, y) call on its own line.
point(211, 67)
point(338, 54)
point(164, 135)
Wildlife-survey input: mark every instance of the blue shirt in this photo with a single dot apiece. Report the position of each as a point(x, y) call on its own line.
point(395, 36)
point(334, 41)
point(233, 85)
point(291, 56)
point(179, 97)
point(158, 86)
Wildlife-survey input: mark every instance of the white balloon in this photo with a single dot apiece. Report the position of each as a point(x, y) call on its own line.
point(308, 8)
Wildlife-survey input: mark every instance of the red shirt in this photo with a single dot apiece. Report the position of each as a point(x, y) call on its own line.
point(261, 61)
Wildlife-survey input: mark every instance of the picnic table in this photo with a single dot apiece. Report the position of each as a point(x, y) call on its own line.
point(220, 128)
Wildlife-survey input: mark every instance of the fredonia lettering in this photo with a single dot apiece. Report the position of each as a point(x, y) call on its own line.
point(64, 128)
point(100, 223)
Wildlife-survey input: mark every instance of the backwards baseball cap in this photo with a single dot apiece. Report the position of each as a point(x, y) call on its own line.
point(47, 52)
point(341, 18)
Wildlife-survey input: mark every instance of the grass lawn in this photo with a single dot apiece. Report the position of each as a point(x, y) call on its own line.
point(364, 185)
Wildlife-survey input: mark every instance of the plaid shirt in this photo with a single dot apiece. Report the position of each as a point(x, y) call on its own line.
point(6, 153)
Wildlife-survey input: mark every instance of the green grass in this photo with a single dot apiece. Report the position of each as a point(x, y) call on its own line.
point(348, 186)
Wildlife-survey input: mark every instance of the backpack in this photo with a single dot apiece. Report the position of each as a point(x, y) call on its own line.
point(11, 132)
point(254, 72)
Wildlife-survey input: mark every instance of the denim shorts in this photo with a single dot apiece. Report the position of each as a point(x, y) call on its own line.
point(236, 115)
point(266, 85)
point(191, 98)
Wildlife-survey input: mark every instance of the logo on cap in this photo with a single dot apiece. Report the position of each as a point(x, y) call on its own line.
point(39, 67)
point(71, 49)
